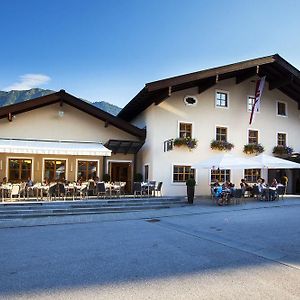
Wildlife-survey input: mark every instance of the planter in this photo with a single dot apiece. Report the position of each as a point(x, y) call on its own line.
point(188, 142)
point(221, 145)
point(190, 194)
point(282, 150)
point(253, 149)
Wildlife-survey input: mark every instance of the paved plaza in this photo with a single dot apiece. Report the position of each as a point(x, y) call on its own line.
point(248, 251)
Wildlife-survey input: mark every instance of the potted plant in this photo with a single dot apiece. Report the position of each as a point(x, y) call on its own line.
point(190, 188)
point(138, 177)
point(282, 150)
point(188, 141)
point(106, 178)
point(253, 149)
point(221, 145)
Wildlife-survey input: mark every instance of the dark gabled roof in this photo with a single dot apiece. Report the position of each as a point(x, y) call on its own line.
point(279, 73)
point(63, 97)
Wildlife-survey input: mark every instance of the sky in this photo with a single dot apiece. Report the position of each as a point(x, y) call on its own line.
point(107, 50)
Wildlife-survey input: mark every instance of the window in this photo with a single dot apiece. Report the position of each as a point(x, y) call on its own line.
point(19, 169)
point(185, 130)
point(146, 172)
point(182, 173)
point(251, 175)
point(281, 109)
point(220, 175)
point(87, 169)
point(55, 169)
point(221, 134)
point(281, 139)
point(252, 137)
point(222, 99)
point(250, 103)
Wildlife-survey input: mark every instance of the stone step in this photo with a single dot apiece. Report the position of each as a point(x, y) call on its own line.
point(83, 211)
point(71, 205)
point(81, 207)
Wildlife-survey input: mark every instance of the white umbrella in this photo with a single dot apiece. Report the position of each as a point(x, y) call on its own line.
point(227, 161)
point(271, 162)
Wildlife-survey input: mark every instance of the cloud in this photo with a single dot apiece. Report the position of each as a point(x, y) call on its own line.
point(28, 81)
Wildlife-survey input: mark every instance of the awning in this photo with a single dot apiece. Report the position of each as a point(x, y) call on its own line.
point(53, 147)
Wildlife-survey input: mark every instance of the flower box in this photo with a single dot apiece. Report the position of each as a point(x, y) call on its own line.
point(282, 150)
point(221, 145)
point(253, 149)
point(188, 142)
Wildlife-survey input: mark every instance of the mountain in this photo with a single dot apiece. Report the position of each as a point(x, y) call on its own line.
point(108, 107)
point(12, 97)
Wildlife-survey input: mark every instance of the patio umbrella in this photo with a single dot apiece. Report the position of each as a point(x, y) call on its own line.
point(271, 162)
point(227, 161)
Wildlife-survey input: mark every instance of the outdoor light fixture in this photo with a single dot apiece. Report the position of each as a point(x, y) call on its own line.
point(61, 113)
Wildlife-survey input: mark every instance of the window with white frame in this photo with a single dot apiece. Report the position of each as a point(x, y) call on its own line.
point(222, 99)
point(54, 169)
point(182, 173)
point(185, 130)
point(252, 175)
point(281, 109)
point(219, 175)
point(87, 169)
point(281, 139)
point(250, 103)
point(221, 134)
point(253, 137)
point(19, 169)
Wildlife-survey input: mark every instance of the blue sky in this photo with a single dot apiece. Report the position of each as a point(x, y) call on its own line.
point(107, 50)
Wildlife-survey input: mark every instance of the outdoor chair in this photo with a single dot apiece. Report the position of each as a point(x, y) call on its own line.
point(117, 188)
point(152, 185)
point(83, 191)
point(15, 191)
point(91, 188)
point(281, 191)
point(157, 190)
point(122, 184)
point(137, 189)
point(52, 192)
point(256, 193)
point(61, 191)
point(71, 190)
point(100, 189)
point(23, 190)
point(238, 196)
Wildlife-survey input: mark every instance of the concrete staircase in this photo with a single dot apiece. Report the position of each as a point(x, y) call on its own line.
point(13, 210)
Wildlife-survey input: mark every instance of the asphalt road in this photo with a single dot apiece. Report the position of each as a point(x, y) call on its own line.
point(233, 254)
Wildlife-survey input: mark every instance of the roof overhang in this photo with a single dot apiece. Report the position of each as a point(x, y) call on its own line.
point(53, 147)
point(124, 146)
point(279, 73)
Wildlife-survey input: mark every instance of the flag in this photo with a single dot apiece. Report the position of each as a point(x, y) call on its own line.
point(258, 91)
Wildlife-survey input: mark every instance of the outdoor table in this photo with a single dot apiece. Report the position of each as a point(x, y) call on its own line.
point(147, 186)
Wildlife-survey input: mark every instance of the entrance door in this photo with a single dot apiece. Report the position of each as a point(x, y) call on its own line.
point(121, 171)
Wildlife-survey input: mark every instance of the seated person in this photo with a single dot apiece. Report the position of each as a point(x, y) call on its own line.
point(272, 190)
point(245, 186)
point(29, 182)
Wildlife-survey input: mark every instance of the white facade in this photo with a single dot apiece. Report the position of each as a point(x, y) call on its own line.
point(162, 123)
